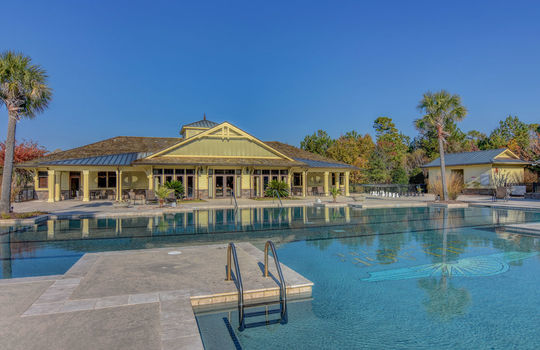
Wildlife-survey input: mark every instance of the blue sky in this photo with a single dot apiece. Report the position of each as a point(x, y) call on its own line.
point(276, 69)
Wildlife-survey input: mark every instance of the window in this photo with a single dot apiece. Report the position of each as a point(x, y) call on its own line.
point(297, 179)
point(342, 179)
point(111, 182)
point(106, 179)
point(333, 179)
point(43, 179)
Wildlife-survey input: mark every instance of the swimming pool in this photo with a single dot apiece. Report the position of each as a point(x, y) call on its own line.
point(421, 278)
point(52, 247)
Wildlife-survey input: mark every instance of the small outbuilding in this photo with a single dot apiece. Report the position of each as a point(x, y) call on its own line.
point(479, 169)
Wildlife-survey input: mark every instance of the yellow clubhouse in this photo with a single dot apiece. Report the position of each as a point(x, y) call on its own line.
point(212, 160)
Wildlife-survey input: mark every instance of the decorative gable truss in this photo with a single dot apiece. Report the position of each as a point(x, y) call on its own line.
point(222, 141)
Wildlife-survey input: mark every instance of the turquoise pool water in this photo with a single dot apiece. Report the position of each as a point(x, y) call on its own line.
point(405, 279)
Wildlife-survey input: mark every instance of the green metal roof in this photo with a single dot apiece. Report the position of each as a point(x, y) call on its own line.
point(476, 157)
point(202, 124)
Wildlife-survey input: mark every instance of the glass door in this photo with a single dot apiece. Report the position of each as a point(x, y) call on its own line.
point(219, 186)
point(229, 186)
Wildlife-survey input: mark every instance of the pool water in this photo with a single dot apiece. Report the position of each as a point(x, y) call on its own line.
point(409, 279)
point(383, 278)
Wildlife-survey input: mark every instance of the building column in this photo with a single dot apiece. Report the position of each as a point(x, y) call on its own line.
point(119, 174)
point(347, 183)
point(325, 184)
point(150, 176)
point(337, 180)
point(50, 185)
point(57, 179)
point(304, 183)
point(86, 185)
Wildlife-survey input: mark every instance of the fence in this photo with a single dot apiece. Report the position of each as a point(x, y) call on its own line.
point(390, 189)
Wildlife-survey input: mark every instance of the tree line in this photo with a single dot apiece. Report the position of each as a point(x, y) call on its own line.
point(393, 157)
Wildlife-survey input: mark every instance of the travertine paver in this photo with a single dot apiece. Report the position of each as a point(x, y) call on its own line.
point(149, 288)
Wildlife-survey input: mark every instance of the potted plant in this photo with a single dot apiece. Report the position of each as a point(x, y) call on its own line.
point(335, 192)
point(162, 193)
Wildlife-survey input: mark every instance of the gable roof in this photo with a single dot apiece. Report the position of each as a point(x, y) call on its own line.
point(102, 152)
point(224, 126)
point(476, 157)
point(203, 123)
point(312, 160)
point(133, 150)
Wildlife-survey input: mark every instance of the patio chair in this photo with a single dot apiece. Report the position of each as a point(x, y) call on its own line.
point(132, 197)
point(151, 197)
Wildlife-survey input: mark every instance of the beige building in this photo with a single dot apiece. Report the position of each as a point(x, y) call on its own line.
point(211, 160)
point(479, 169)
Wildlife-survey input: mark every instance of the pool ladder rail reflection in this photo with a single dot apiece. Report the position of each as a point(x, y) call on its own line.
point(233, 259)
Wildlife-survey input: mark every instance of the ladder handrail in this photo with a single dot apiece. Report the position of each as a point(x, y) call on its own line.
point(235, 201)
point(231, 252)
point(276, 193)
point(283, 287)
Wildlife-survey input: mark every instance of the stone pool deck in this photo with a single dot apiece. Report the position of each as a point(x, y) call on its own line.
point(138, 299)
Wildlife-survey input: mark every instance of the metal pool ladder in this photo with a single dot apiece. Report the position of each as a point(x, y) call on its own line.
point(233, 259)
point(276, 194)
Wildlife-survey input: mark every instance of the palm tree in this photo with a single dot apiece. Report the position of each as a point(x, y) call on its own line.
point(440, 109)
point(24, 92)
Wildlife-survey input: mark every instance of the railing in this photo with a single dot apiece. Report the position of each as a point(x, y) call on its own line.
point(380, 189)
point(283, 287)
point(231, 257)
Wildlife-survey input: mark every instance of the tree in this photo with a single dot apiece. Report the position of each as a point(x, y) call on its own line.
point(392, 146)
point(477, 140)
point(353, 149)
point(318, 142)
point(23, 152)
point(515, 135)
point(455, 141)
point(439, 109)
point(24, 93)
point(377, 170)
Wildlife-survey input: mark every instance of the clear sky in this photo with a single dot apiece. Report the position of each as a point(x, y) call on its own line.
point(278, 70)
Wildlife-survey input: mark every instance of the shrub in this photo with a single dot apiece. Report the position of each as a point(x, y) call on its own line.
point(177, 186)
point(454, 183)
point(162, 193)
point(334, 191)
point(281, 187)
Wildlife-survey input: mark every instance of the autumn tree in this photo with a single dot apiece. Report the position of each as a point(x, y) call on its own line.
point(23, 152)
point(355, 149)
